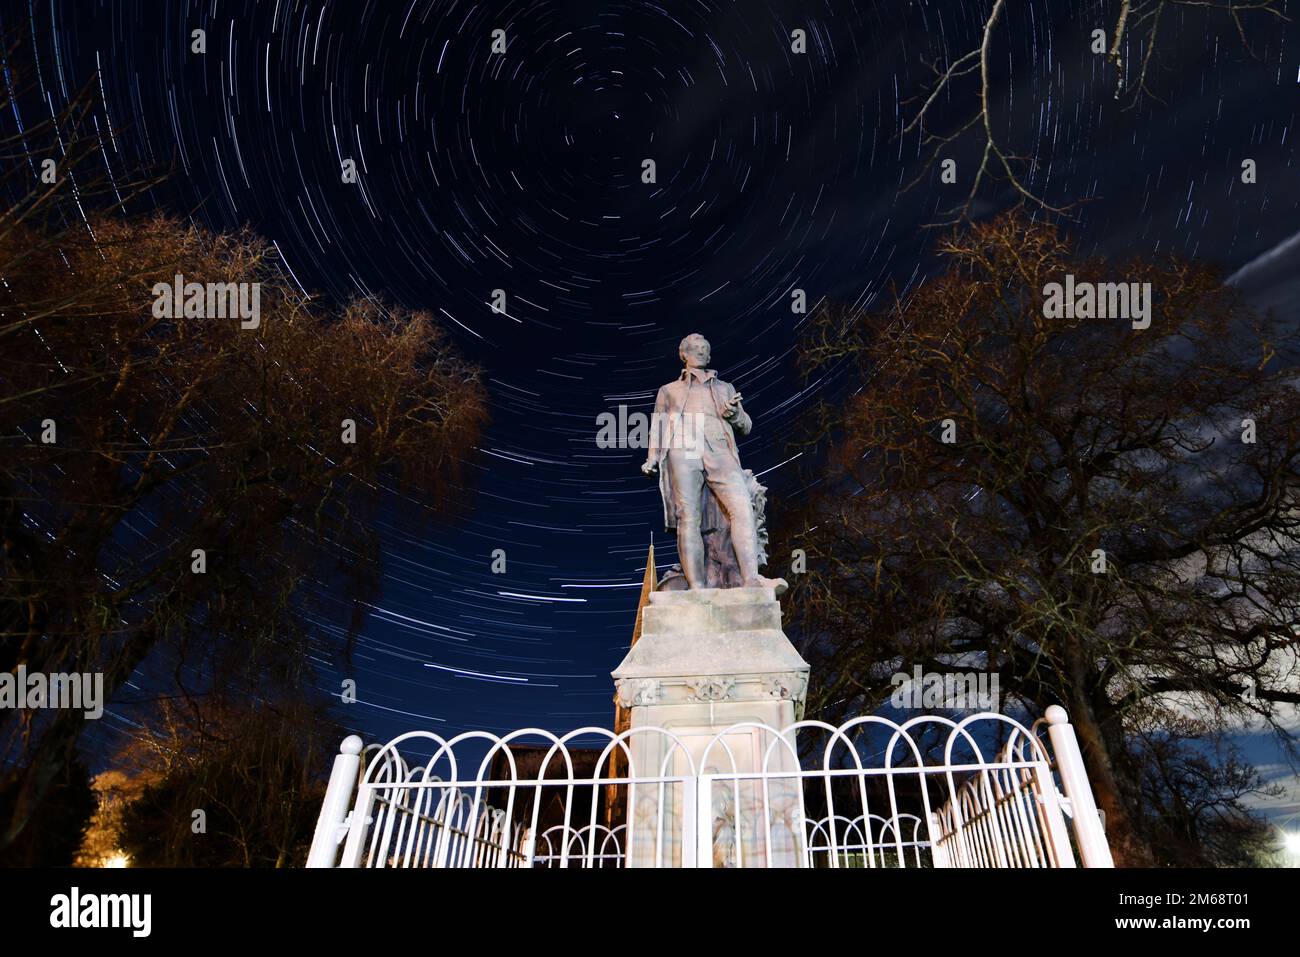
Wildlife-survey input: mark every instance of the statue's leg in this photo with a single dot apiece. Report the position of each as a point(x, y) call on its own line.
point(688, 483)
point(728, 484)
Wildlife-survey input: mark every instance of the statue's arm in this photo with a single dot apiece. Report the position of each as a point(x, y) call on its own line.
point(657, 423)
point(741, 421)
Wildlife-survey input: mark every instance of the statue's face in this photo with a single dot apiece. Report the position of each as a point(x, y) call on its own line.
point(696, 353)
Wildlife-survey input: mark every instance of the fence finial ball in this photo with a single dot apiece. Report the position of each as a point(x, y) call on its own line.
point(352, 744)
point(1055, 714)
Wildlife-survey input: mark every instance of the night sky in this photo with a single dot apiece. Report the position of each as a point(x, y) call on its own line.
point(522, 172)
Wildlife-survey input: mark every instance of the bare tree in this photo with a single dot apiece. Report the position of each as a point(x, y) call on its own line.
point(230, 783)
point(135, 442)
point(1108, 517)
point(1193, 789)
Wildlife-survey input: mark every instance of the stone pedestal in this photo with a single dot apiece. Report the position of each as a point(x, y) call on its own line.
point(706, 660)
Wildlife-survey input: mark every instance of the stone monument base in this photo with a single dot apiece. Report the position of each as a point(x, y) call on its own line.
point(708, 659)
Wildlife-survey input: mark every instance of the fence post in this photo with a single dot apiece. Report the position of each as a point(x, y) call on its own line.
point(690, 822)
point(938, 847)
point(704, 820)
point(338, 801)
point(1093, 847)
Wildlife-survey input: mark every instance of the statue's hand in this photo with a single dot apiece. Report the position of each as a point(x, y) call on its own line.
point(732, 406)
point(648, 468)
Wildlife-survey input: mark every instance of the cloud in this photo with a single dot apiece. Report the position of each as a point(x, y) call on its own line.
point(1272, 281)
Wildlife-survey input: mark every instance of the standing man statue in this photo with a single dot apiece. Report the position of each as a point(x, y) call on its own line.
point(693, 448)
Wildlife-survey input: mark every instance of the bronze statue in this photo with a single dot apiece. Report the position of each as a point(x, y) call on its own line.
point(714, 504)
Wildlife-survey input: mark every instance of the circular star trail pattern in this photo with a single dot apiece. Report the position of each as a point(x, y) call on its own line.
point(522, 171)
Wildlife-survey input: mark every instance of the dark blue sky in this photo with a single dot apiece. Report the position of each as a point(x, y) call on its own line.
point(522, 172)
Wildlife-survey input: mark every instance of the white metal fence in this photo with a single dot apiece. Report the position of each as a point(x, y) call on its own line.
point(980, 792)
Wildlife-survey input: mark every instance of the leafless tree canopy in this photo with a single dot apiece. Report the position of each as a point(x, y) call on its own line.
point(131, 441)
point(252, 770)
point(1073, 442)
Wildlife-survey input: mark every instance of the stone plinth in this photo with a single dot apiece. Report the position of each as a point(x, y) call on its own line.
point(708, 659)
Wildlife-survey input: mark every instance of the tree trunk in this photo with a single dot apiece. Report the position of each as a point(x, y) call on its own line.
point(31, 784)
point(58, 744)
point(1127, 846)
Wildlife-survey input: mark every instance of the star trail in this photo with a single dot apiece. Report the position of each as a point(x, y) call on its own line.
point(522, 172)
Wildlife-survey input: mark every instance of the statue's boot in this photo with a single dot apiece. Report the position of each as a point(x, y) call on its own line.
point(779, 585)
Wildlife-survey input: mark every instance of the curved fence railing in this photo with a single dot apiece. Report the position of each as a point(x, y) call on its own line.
point(930, 792)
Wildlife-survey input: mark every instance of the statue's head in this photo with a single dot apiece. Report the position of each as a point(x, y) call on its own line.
point(694, 351)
